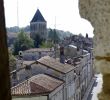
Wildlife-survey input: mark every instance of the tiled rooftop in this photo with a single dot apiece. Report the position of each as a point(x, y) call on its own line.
point(38, 50)
point(38, 85)
point(54, 64)
point(28, 62)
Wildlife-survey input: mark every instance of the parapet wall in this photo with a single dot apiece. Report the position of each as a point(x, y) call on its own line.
point(98, 13)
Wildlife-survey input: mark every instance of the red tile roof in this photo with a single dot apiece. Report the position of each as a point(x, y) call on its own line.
point(39, 84)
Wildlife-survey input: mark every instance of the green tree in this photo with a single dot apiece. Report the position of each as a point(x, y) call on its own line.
point(37, 41)
point(12, 61)
point(22, 43)
point(56, 37)
point(50, 34)
point(53, 36)
point(46, 45)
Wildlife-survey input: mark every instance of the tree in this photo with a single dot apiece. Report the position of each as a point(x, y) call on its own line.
point(37, 41)
point(46, 45)
point(53, 36)
point(50, 34)
point(12, 61)
point(22, 43)
point(56, 37)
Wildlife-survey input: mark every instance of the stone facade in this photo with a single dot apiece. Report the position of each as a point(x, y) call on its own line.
point(97, 12)
point(76, 81)
point(37, 53)
point(38, 26)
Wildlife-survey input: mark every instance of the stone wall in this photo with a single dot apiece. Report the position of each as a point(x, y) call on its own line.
point(98, 13)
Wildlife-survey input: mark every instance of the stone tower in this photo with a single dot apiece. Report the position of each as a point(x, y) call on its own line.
point(38, 26)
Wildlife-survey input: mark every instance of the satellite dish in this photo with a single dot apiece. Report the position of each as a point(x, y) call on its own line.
point(20, 53)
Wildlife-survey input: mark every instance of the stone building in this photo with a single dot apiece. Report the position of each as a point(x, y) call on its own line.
point(38, 87)
point(51, 67)
point(37, 53)
point(38, 26)
point(77, 74)
point(85, 73)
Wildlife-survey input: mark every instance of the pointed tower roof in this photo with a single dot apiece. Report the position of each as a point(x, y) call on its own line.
point(38, 17)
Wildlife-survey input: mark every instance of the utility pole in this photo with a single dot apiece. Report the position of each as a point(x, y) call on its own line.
point(17, 13)
point(55, 38)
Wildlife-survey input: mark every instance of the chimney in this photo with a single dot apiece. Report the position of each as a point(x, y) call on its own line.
point(40, 55)
point(14, 78)
point(62, 58)
point(28, 71)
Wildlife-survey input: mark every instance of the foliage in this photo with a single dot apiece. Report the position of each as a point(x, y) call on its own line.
point(14, 29)
point(12, 61)
point(53, 36)
point(80, 35)
point(23, 42)
point(61, 34)
point(46, 45)
point(26, 29)
point(37, 41)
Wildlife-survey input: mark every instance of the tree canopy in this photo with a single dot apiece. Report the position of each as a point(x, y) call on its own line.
point(53, 36)
point(12, 61)
point(37, 41)
point(23, 42)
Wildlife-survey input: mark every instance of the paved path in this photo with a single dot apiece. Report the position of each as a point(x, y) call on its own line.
point(96, 88)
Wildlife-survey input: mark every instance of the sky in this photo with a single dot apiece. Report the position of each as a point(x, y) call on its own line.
point(62, 14)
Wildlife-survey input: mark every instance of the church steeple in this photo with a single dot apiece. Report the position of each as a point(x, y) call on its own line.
point(38, 28)
point(38, 17)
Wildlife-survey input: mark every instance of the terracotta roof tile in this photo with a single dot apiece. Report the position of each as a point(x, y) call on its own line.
point(54, 64)
point(39, 84)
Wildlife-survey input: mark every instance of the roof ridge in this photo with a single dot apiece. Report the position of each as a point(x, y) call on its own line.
point(54, 64)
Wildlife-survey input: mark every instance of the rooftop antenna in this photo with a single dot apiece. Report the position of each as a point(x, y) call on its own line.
point(55, 38)
point(17, 13)
point(55, 22)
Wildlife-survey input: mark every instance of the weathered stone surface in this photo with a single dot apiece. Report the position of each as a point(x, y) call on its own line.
point(98, 13)
point(105, 94)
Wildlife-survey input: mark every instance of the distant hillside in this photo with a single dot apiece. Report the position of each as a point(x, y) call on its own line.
point(16, 29)
point(61, 34)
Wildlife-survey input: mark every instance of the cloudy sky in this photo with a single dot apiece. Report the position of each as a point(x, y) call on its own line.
point(64, 11)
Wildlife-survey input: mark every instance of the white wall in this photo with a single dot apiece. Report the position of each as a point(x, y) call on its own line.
point(70, 85)
point(57, 94)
